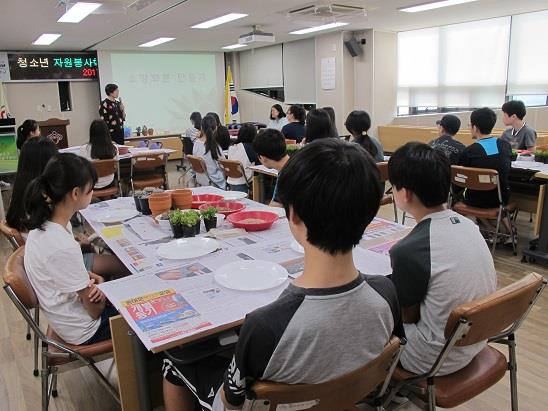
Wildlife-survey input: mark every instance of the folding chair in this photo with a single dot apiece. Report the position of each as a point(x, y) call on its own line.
point(105, 168)
point(483, 179)
point(199, 166)
point(339, 394)
point(57, 356)
point(234, 169)
point(149, 170)
point(188, 146)
point(494, 318)
point(388, 197)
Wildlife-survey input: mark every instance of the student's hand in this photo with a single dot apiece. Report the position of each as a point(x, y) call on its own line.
point(98, 279)
point(95, 295)
point(82, 239)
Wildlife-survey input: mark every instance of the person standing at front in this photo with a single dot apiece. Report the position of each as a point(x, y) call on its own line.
point(112, 111)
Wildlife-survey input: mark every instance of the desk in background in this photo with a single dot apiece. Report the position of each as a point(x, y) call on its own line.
point(169, 141)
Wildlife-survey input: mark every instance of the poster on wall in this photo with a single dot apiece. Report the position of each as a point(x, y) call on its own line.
point(51, 66)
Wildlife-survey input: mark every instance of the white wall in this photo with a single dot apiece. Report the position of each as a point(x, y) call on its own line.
point(24, 98)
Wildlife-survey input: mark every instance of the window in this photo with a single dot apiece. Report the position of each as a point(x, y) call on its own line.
point(438, 67)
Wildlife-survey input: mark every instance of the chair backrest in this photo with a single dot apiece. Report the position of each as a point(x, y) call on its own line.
point(148, 161)
point(188, 146)
point(481, 179)
point(105, 168)
point(336, 395)
point(497, 314)
point(197, 164)
point(232, 168)
point(13, 236)
point(383, 170)
point(16, 278)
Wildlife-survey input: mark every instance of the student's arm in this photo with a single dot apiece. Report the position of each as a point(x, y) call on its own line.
point(530, 140)
point(88, 295)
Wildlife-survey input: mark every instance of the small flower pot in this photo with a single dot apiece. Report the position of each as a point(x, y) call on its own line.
point(137, 202)
point(210, 223)
point(539, 159)
point(177, 230)
point(197, 227)
point(189, 231)
point(145, 209)
point(514, 157)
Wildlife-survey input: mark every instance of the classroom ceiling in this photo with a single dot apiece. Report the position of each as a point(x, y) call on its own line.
point(116, 27)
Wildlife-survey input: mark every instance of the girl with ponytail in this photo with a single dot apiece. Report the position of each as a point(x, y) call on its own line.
point(208, 148)
point(358, 124)
point(66, 291)
point(27, 130)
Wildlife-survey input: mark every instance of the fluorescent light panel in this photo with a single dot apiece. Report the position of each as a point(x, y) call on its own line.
point(219, 20)
point(46, 39)
point(159, 40)
point(234, 46)
point(79, 12)
point(434, 5)
point(318, 28)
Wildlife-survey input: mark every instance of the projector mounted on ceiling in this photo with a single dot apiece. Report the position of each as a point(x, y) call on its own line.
point(256, 36)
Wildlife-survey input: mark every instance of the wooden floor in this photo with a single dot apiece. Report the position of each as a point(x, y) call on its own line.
point(79, 391)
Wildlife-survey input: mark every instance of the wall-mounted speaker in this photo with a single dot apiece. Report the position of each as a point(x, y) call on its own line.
point(354, 47)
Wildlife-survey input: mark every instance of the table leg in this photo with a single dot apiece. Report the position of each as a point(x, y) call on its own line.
point(140, 359)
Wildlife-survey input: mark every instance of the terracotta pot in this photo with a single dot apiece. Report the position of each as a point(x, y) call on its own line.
point(159, 203)
point(182, 198)
point(158, 211)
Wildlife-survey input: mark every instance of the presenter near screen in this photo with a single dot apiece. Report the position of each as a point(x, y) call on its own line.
point(112, 111)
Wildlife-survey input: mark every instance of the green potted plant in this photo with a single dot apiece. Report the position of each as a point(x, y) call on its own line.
point(514, 155)
point(539, 156)
point(292, 149)
point(190, 220)
point(545, 156)
point(175, 223)
point(209, 215)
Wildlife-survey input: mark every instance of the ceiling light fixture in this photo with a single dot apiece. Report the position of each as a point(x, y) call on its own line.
point(159, 40)
point(219, 20)
point(78, 12)
point(234, 46)
point(318, 28)
point(46, 39)
point(433, 5)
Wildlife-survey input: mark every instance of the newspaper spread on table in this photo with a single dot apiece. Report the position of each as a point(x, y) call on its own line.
point(166, 300)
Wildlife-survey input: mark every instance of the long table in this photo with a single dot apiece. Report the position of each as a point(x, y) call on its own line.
point(209, 309)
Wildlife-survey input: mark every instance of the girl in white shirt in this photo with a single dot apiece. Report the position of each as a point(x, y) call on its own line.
point(67, 293)
point(277, 117)
point(207, 147)
point(243, 151)
point(100, 147)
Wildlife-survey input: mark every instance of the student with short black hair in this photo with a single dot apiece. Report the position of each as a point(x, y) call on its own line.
point(28, 129)
point(487, 152)
point(442, 263)
point(194, 132)
point(278, 118)
point(520, 135)
point(448, 126)
point(68, 294)
point(112, 111)
point(331, 304)
point(272, 151)
point(318, 125)
point(358, 124)
point(242, 150)
point(294, 130)
point(100, 147)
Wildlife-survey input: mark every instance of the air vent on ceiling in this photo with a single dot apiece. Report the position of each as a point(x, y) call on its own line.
point(327, 11)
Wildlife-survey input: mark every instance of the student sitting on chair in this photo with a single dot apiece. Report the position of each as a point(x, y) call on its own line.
point(487, 152)
point(358, 124)
point(442, 263)
point(206, 147)
point(448, 126)
point(272, 151)
point(294, 130)
point(331, 306)
point(68, 294)
point(519, 135)
point(242, 150)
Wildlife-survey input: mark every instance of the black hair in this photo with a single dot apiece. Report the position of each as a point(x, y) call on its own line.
point(196, 119)
point(280, 110)
point(216, 117)
point(422, 170)
point(110, 88)
point(515, 107)
point(318, 125)
point(209, 125)
point(32, 160)
point(297, 112)
point(24, 130)
point(246, 133)
point(358, 124)
point(484, 119)
point(270, 143)
point(101, 141)
point(335, 203)
point(331, 113)
point(62, 174)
